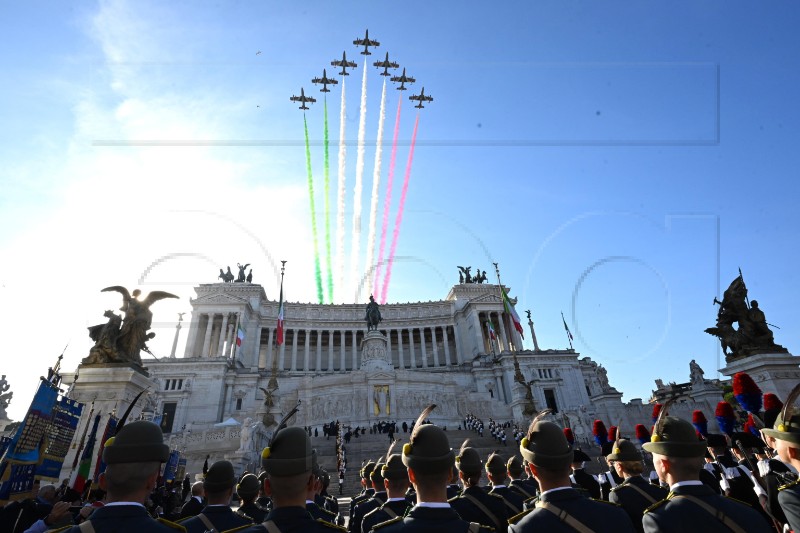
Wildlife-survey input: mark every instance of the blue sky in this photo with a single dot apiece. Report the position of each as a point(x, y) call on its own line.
point(612, 158)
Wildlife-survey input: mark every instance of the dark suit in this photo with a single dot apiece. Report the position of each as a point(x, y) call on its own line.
point(512, 499)
point(191, 508)
point(427, 520)
point(633, 501)
point(124, 519)
point(378, 499)
point(789, 498)
point(675, 514)
point(381, 514)
point(600, 516)
point(294, 520)
point(587, 482)
point(221, 516)
point(471, 513)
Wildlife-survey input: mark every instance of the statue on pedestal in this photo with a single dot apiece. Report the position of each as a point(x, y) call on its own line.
point(121, 339)
point(753, 335)
point(373, 317)
point(695, 373)
point(241, 278)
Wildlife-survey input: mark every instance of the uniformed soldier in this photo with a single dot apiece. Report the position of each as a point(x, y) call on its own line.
point(429, 460)
point(561, 508)
point(325, 499)
point(395, 481)
point(217, 514)
point(734, 480)
point(475, 504)
point(608, 479)
point(263, 500)
point(133, 458)
point(579, 476)
point(247, 489)
point(288, 463)
point(497, 472)
point(519, 481)
point(195, 503)
point(678, 459)
point(378, 498)
point(634, 494)
point(366, 487)
point(453, 489)
point(786, 433)
point(314, 509)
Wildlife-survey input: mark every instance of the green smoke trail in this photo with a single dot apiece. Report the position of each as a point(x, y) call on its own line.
point(320, 295)
point(328, 211)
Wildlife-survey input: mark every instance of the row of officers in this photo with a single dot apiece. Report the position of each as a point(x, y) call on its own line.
point(412, 488)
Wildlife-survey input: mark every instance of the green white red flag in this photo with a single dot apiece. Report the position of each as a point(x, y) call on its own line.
point(509, 308)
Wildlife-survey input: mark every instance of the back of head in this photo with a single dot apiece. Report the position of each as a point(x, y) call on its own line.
point(219, 481)
point(496, 467)
point(428, 452)
point(197, 489)
point(247, 489)
point(546, 448)
point(133, 456)
point(288, 462)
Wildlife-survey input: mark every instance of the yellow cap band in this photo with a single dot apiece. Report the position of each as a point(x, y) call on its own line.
point(407, 448)
point(655, 438)
point(524, 442)
point(265, 453)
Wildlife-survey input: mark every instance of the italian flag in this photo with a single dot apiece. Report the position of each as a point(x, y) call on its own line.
point(239, 336)
point(492, 334)
point(279, 340)
point(509, 308)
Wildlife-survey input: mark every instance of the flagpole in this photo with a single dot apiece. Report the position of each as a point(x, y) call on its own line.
point(235, 338)
point(273, 380)
point(569, 335)
point(503, 298)
point(500, 285)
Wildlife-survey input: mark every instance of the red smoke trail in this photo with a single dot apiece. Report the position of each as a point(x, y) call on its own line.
point(388, 201)
point(399, 218)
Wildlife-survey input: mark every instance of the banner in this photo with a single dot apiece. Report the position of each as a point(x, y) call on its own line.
point(18, 464)
point(111, 429)
point(4, 442)
point(171, 468)
point(66, 415)
point(86, 459)
point(181, 470)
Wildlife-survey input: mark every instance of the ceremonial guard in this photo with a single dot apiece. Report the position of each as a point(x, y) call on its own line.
point(519, 482)
point(634, 494)
point(288, 463)
point(133, 458)
point(475, 504)
point(247, 489)
point(497, 472)
point(315, 510)
point(217, 514)
point(608, 479)
point(580, 478)
point(378, 498)
point(786, 433)
point(429, 460)
point(366, 487)
point(395, 481)
point(734, 479)
point(561, 508)
point(678, 458)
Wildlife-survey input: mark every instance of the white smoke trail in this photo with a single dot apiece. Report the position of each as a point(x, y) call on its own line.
point(355, 246)
point(339, 287)
point(376, 180)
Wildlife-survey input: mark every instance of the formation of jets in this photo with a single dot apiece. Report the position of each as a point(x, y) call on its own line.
point(325, 81)
point(421, 97)
point(366, 43)
point(344, 63)
point(403, 79)
point(303, 99)
point(386, 65)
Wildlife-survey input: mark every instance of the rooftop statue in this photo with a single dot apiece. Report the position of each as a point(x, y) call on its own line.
point(373, 317)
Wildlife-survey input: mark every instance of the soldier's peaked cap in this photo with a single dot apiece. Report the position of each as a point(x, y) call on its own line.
point(429, 448)
point(675, 437)
point(248, 486)
point(136, 442)
point(624, 450)
point(288, 454)
point(394, 468)
point(496, 465)
point(220, 477)
point(468, 460)
point(545, 446)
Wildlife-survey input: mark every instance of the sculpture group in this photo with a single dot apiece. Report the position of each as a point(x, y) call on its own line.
point(465, 276)
point(120, 340)
point(227, 277)
point(752, 335)
point(373, 317)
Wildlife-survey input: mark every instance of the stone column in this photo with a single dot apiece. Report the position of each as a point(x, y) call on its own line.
point(413, 363)
point(424, 348)
point(343, 351)
point(294, 350)
point(223, 334)
point(355, 349)
point(261, 358)
point(191, 341)
point(503, 333)
point(331, 334)
point(447, 360)
point(501, 393)
point(389, 345)
point(318, 366)
point(207, 339)
point(307, 351)
point(476, 324)
point(435, 348)
point(400, 355)
point(230, 339)
point(459, 352)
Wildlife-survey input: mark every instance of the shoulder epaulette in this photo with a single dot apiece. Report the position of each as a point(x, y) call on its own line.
point(656, 505)
point(531, 499)
point(454, 498)
point(327, 511)
point(737, 501)
point(173, 525)
point(388, 522)
point(606, 502)
point(789, 485)
point(614, 489)
point(328, 524)
point(244, 515)
point(245, 526)
point(517, 517)
point(495, 495)
point(60, 529)
point(182, 520)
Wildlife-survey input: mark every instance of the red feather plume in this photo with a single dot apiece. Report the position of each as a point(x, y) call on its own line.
point(656, 412)
point(642, 435)
point(569, 435)
point(743, 383)
point(612, 433)
point(698, 417)
point(771, 401)
point(724, 409)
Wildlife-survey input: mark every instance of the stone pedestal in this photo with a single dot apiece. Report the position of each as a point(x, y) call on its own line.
point(243, 460)
point(111, 387)
point(774, 372)
point(374, 353)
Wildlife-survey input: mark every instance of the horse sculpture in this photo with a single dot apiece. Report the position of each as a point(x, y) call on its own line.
point(373, 317)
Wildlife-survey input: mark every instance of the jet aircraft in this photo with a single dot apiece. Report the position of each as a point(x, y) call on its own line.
point(403, 79)
point(386, 65)
point(421, 97)
point(344, 63)
point(302, 99)
point(325, 81)
point(366, 43)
